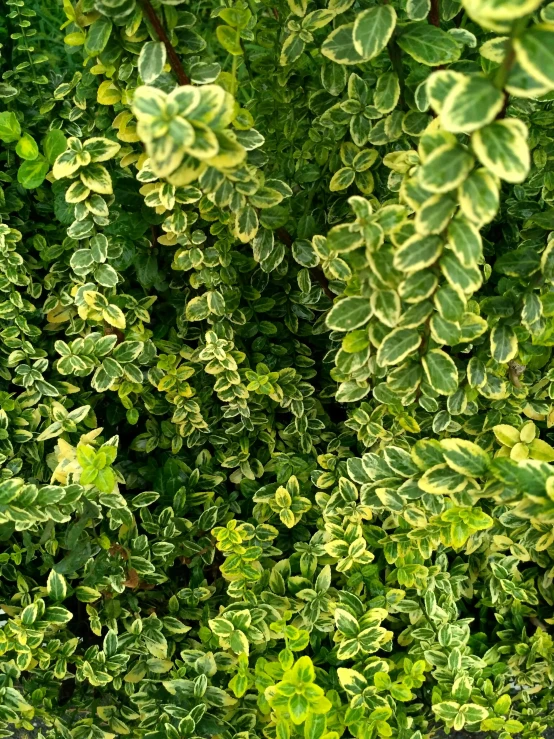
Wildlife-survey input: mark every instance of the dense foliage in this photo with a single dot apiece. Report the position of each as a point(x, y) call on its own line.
point(276, 373)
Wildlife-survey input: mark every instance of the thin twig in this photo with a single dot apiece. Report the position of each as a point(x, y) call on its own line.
point(395, 56)
point(505, 68)
point(174, 60)
point(434, 14)
point(111, 330)
point(538, 623)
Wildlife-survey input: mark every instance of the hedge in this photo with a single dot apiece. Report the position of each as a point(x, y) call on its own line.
point(276, 374)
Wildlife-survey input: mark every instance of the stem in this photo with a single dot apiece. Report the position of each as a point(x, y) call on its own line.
point(506, 67)
point(110, 330)
point(395, 55)
point(30, 58)
point(234, 65)
point(174, 60)
point(504, 71)
point(539, 624)
point(434, 14)
point(246, 65)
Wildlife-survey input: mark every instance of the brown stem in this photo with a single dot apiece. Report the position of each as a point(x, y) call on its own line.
point(502, 77)
point(319, 275)
point(284, 236)
point(316, 272)
point(111, 330)
point(538, 623)
point(505, 68)
point(434, 14)
point(504, 110)
point(174, 60)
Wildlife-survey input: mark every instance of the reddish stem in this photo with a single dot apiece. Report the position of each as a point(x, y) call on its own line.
point(174, 60)
point(434, 13)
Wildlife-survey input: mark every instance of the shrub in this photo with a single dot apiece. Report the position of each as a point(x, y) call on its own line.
point(276, 320)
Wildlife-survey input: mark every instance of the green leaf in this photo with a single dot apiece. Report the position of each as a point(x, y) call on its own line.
point(56, 586)
point(7, 91)
point(494, 13)
point(304, 253)
point(435, 213)
point(317, 19)
point(471, 103)
point(98, 35)
point(343, 238)
point(351, 391)
point(197, 308)
point(465, 241)
point(353, 682)
point(386, 305)
point(229, 38)
point(10, 130)
point(465, 457)
point(298, 708)
point(504, 345)
point(57, 615)
point(105, 275)
point(444, 331)
point(152, 60)
point(339, 46)
point(446, 168)
point(298, 7)
point(448, 710)
point(373, 29)
point(101, 149)
point(315, 726)
point(502, 148)
point(31, 174)
point(417, 10)
point(442, 480)
point(246, 225)
point(466, 279)
point(291, 49)
point(479, 197)
point(27, 147)
point(417, 252)
point(342, 179)
point(29, 614)
point(54, 144)
point(439, 84)
point(474, 713)
point(535, 52)
point(441, 372)
point(86, 594)
point(429, 45)
point(349, 313)
point(387, 91)
point(97, 178)
point(236, 17)
point(397, 345)
point(346, 623)
point(333, 78)
point(450, 303)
